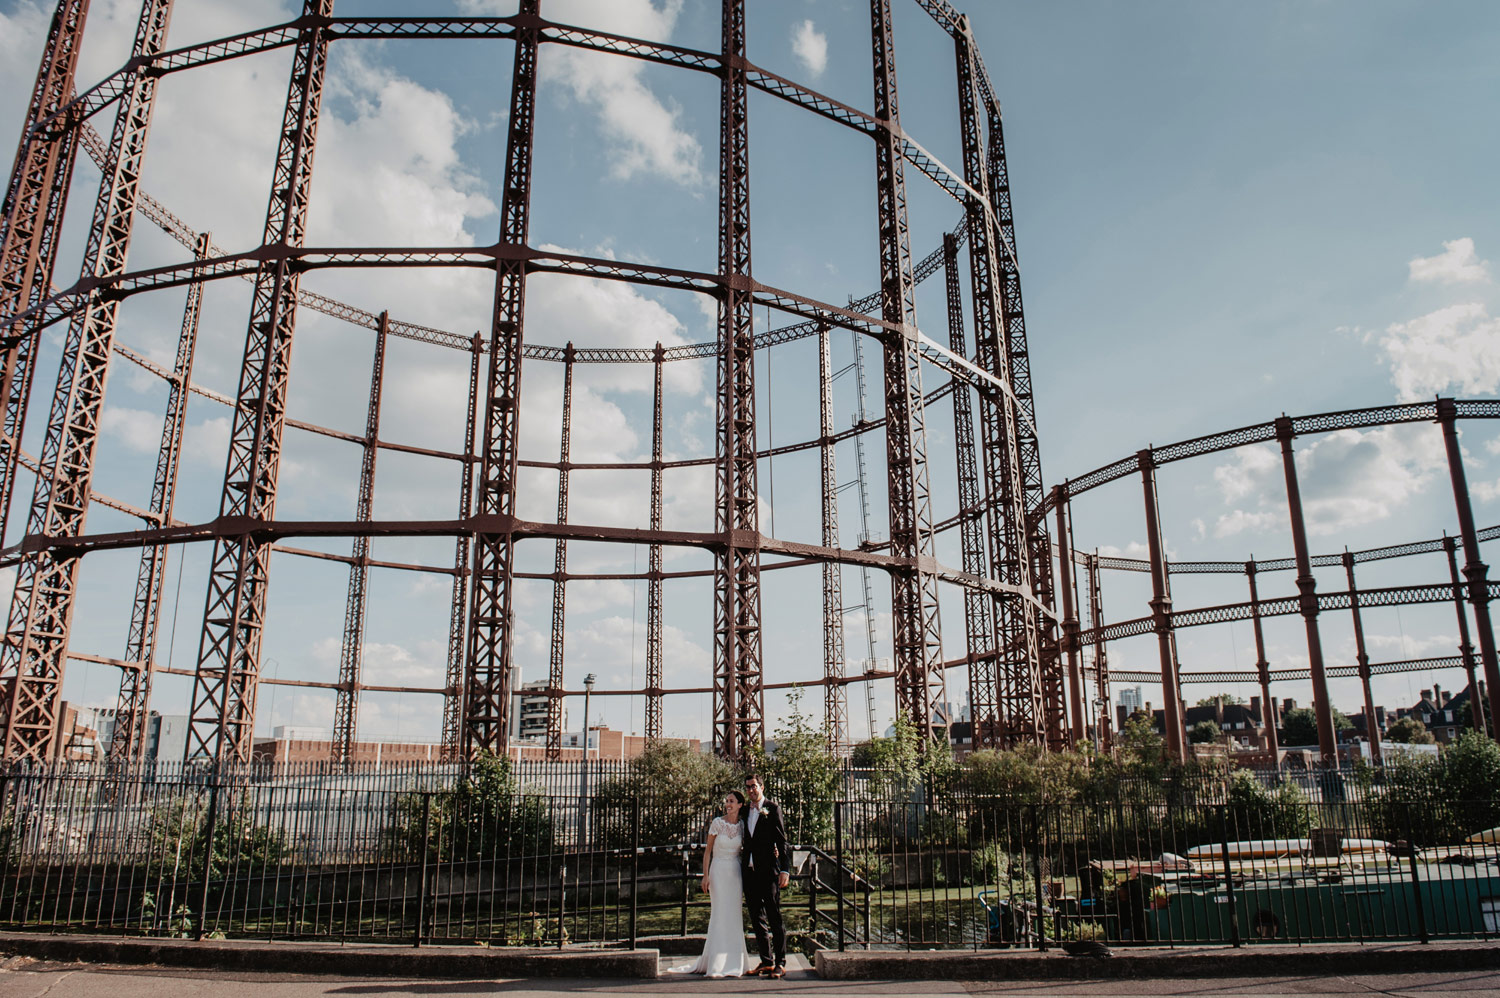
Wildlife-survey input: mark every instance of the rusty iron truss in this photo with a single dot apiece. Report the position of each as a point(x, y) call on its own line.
point(1028, 657)
point(987, 361)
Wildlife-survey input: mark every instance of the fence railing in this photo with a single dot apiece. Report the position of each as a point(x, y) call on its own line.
point(446, 857)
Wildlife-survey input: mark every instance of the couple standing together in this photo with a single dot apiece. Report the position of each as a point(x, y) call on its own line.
point(747, 854)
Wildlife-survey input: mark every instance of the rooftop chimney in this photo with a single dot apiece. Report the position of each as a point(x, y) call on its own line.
point(1255, 709)
point(1427, 696)
point(1288, 705)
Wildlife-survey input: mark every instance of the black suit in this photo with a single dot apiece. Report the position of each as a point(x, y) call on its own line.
point(764, 857)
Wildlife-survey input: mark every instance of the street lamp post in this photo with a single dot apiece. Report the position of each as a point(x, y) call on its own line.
point(583, 790)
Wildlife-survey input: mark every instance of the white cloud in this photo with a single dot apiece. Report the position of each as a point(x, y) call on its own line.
point(1457, 264)
point(390, 173)
point(810, 46)
point(642, 129)
point(139, 431)
point(1487, 491)
point(1238, 521)
point(1347, 478)
point(1246, 472)
point(1453, 348)
point(207, 441)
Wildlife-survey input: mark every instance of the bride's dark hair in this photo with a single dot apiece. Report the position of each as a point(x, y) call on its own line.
point(737, 796)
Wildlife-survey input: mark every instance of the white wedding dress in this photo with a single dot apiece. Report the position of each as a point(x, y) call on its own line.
point(724, 953)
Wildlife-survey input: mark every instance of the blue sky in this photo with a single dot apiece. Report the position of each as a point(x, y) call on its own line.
point(1224, 212)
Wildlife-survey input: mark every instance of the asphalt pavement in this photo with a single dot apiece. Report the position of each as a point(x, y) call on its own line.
point(23, 977)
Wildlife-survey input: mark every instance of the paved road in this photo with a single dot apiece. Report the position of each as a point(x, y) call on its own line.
point(24, 978)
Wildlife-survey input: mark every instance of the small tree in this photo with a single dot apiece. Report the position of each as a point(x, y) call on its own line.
point(1205, 732)
point(1256, 811)
point(1300, 726)
point(484, 815)
point(802, 775)
point(1409, 731)
point(1471, 782)
point(676, 788)
point(1226, 698)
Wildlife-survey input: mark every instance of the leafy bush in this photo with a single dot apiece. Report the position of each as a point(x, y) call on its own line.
point(1409, 731)
point(1205, 732)
point(1257, 811)
point(676, 789)
point(802, 776)
point(485, 816)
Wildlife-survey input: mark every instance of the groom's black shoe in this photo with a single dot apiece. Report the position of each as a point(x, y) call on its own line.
point(763, 969)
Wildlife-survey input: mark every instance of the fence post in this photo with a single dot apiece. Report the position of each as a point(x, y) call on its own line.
point(635, 865)
point(1416, 882)
point(1234, 913)
point(1039, 923)
point(422, 883)
point(562, 902)
point(687, 875)
point(838, 861)
point(208, 852)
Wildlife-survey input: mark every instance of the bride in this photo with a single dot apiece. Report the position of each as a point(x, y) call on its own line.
point(724, 952)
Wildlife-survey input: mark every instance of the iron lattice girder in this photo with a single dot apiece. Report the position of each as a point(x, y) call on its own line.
point(1288, 675)
point(351, 650)
point(222, 717)
point(128, 742)
point(979, 628)
point(491, 627)
point(453, 683)
point(917, 636)
point(104, 93)
point(653, 719)
point(30, 226)
point(835, 697)
point(1019, 675)
point(67, 303)
point(739, 701)
point(1284, 606)
point(557, 646)
point(42, 605)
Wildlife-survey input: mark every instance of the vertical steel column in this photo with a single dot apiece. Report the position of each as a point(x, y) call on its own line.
point(41, 611)
point(1465, 646)
point(1023, 428)
point(914, 601)
point(1262, 667)
point(1474, 570)
point(560, 570)
point(453, 675)
point(487, 703)
point(739, 697)
point(1372, 729)
point(1307, 597)
point(30, 226)
point(129, 740)
point(979, 624)
point(352, 651)
point(1070, 641)
point(862, 485)
point(654, 580)
point(835, 693)
point(1161, 613)
point(1101, 654)
point(222, 718)
point(999, 331)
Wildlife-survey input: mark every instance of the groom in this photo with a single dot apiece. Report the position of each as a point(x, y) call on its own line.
point(767, 865)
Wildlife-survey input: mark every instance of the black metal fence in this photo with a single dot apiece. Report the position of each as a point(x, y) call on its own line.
point(438, 854)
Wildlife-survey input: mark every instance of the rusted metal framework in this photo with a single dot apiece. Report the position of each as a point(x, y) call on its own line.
point(352, 649)
point(33, 216)
point(1022, 654)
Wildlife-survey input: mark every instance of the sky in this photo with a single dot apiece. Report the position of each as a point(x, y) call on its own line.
point(1224, 212)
